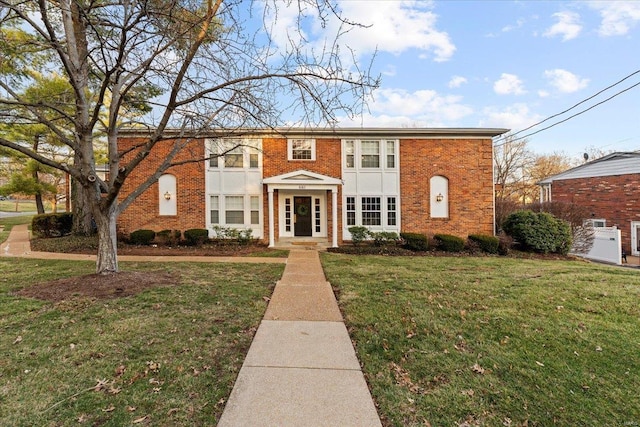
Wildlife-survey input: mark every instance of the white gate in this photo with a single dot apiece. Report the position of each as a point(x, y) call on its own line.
point(606, 246)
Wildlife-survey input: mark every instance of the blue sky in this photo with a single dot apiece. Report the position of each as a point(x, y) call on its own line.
point(502, 64)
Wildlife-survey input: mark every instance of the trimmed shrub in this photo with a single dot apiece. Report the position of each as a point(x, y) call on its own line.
point(385, 238)
point(415, 241)
point(243, 237)
point(449, 243)
point(196, 236)
point(169, 237)
point(486, 243)
point(539, 232)
point(142, 237)
point(358, 234)
point(52, 225)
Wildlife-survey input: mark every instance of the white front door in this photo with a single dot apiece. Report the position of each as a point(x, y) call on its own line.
point(635, 233)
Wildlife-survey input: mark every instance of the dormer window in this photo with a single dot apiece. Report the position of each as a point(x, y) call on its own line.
point(302, 149)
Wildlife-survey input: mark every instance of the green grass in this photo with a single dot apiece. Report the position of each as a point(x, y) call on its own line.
point(169, 354)
point(21, 206)
point(494, 341)
point(8, 223)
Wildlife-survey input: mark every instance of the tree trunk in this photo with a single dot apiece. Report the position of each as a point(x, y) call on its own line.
point(39, 204)
point(107, 260)
point(82, 218)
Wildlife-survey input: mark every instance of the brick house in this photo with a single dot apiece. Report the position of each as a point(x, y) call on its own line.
point(609, 187)
point(313, 184)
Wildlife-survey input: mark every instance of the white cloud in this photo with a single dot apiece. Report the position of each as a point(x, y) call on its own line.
point(508, 28)
point(515, 117)
point(568, 26)
point(543, 94)
point(457, 81)
point(398, 107)
point(565, 81)
point(509, 84)
point(618, 17)
point(390, 26)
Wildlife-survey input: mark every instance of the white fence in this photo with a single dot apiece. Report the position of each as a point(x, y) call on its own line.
point(606, 246)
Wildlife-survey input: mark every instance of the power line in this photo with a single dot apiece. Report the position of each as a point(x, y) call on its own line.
point(502, 140)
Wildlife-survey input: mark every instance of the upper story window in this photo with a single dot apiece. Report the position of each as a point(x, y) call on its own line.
point(302, 149)
point(234, 153)
point(370, 154)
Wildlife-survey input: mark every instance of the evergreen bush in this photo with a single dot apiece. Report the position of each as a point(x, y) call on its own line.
point(142, 237)
point(489, 244)
point(449, 243)
point(358, 234)
point(539, 232)
point(415, 241)
point(385, 238)
point(196, 236)
point(52, 225)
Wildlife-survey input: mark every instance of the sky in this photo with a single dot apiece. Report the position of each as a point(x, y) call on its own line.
point(502, 64)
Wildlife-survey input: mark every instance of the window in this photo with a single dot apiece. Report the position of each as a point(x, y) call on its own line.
point(302, 149)
point(349, 149)
point(287, 214)
point(215, 210)
point(391, 211)
point(213, 160)
point(255, 210)
point(351, 211)
point(234, 153)
point(370, 154)
point(234, 209)
point(253, 158)
point(391, 154)
point(597, 222)
point(371, 214)
point(233, 158)
point(317, 215)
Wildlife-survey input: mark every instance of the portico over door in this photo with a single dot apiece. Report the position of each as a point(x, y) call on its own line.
point(303, 200)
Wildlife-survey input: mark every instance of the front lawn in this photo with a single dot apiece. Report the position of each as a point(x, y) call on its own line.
point(494, 341)
point(168, 355)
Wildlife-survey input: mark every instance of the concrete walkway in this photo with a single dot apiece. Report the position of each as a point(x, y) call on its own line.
point(18, 245)
point(301, 369)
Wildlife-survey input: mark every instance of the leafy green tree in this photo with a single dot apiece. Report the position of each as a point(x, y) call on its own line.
point(211, 69)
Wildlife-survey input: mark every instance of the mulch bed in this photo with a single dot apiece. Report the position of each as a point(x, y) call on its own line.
point(97, 286)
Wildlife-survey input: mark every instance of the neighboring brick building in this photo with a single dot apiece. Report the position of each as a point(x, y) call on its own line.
point(301, 184)
point(609, 187)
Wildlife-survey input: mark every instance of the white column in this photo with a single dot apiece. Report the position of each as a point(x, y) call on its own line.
point(272, 240)
point(334, 217)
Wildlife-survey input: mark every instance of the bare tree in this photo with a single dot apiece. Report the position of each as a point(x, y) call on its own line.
point(198, 65)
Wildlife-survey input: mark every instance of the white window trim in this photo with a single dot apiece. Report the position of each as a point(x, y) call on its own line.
point(290, 150)
point(215, 146)
point(383, 153)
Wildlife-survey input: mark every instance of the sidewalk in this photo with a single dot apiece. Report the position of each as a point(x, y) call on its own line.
point(301, 369)
point(18, 245)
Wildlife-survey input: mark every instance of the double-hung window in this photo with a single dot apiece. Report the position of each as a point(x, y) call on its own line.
point(234, 154)
point(370, 154)
point(234, 209)
point(371, 212)
point(302, 149)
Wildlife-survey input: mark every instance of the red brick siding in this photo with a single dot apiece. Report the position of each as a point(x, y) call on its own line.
point(190, 183)
point(614, 198)
point(468, 165)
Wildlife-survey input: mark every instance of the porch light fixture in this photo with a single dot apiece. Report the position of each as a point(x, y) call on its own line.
point(439, 197)
point(167, 196)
